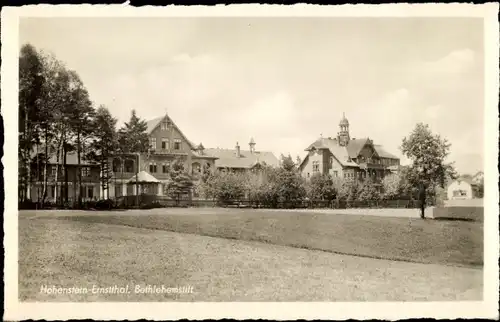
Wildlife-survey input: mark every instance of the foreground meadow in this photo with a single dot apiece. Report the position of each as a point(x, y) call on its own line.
point(82, 250)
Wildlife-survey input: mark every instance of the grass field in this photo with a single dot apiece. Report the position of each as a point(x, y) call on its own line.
point(66, 253)
point(406, 239)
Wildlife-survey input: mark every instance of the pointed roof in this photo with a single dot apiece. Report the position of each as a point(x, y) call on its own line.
point(344, 120)
point(154, 123)
point(252, 141)
point(355, 146)
point(143, 177)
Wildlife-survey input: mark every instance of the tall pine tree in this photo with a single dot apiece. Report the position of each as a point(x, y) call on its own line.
point(133, 136)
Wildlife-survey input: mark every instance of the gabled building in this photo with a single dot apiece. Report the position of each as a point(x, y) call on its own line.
point(462, 188)
point(347, 157)
point(242, 160)
point(167, 143)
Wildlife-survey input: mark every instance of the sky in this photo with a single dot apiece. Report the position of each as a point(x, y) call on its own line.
point(283, 81)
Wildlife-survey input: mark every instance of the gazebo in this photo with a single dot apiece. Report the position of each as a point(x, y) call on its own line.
point(146, 183)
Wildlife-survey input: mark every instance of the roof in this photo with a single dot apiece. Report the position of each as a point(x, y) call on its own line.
point(344, 153)
point(344, 120)
point(355, 146)
point(144, 177)
point(152, 124)
point(71, 158)
point(383, 153)
point(467, 179)
point(227, 158)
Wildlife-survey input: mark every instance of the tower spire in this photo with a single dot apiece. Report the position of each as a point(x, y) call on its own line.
point(343, 136)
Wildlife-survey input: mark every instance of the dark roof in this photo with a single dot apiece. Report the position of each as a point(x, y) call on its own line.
point(344, 154)
point(71, 159)
point(227, 158)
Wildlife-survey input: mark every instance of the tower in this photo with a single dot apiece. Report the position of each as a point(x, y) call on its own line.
point(343, 135)
point(252, 145)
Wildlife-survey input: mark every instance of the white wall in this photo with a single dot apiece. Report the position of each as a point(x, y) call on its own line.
point(459, 190)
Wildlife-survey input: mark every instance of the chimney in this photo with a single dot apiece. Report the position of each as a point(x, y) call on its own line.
point(238, 154)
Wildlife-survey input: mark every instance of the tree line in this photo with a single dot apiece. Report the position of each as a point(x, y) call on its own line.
point(56, 118)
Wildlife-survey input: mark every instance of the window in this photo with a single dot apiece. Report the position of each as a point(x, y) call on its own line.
point(85, 172)
point(152, 143)
point(177, 144)
point(152, 167)
point(165, 167)
point(196, 168)
point(315, 165)
point(52, 191)
point(129, 166)
point(54, 170)
point(164, 126)
point(308, 174)
point(335, 173)
point(165, 144)
point(117, 165)
point(90, 192)
point(345, 175)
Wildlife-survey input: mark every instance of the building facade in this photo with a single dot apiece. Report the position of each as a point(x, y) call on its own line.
point(462, 188)
point(56, 180)
point(242, 160)
point(348, 158)
point(167, 143)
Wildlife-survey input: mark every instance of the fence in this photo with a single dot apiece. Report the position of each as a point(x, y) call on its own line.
point(164, 201)
point(146, 201)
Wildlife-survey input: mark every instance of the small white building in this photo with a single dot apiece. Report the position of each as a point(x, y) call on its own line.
point(462, 188)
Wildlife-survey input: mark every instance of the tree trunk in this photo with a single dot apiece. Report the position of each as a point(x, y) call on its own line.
point(65, 167)
point(422, 202)
point(45, 165)
point(26, 152)
point(27, 194)
point(58, 153)
point(79, 170)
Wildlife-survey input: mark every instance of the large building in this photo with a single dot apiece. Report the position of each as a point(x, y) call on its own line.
point(347, 157)
point(151, 170)
point(242, 160)
point(56, 179)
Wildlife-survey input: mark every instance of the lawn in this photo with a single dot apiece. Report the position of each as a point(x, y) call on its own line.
point(82, 253)
point(404, 239)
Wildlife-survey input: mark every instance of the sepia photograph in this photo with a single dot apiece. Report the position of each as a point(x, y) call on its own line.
point(252, 159)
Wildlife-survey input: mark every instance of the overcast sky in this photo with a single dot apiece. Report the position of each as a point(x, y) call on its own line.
point(283, 81)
